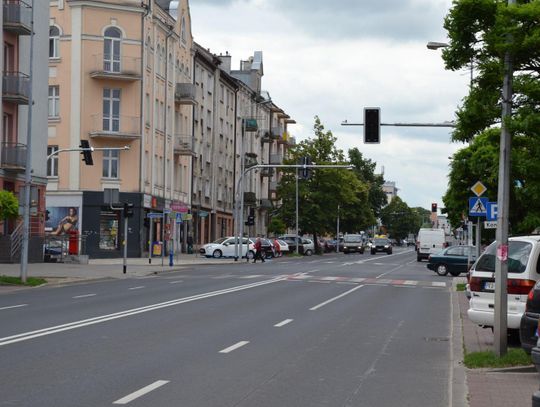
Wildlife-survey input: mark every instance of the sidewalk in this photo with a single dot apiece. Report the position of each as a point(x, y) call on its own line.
point(108, 268)
point(493, 387)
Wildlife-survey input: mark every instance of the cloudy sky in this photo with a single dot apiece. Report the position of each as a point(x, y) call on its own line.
point(333, 58)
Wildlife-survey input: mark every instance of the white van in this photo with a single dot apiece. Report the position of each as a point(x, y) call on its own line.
point(429, 241)
point(523, 272)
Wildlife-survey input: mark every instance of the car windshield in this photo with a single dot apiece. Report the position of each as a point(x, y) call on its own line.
point(221, 240)
point(380, 242)
point(353, 239)
point(518, 256)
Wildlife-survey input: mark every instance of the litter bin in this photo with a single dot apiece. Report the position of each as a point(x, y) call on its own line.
point(73, 248)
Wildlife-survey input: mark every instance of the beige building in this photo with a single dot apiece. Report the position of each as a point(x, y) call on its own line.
point(120, 74)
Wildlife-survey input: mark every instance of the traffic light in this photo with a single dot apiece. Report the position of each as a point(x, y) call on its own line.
point(250, 220)
point(434, 207)
point(87, 152)
point(372, 125)
point(306, 172)
point(128, 209)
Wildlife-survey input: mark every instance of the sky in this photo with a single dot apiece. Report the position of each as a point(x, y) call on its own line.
point(333, 58)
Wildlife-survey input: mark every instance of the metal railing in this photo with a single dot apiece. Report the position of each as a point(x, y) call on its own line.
point(114, 65)
point(183, 144)
point(16, 85)
point(12, 155)
point(17, 16)
point(115, 125)
point(276, 158)
point(16, 242)
point(277, 132)
point(58, 248)
point(185, 93)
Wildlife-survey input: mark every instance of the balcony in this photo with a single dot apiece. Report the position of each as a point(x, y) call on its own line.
point(250, 198)
point(276, 159)
point(106, 66)
point(115, 127)
point(267, 172)
point(16, 88)
point(266, 204)
point(183, 145)
point(17, 17)
point(13, 156)
point(277, 133)
point(267, 137)
point(273, 186)
point(185, 94)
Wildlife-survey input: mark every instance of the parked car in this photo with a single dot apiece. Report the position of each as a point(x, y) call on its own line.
point(308, 246)
point(528, 326)
point(293, 241)
point(353, 243)
point(267, 247)
point(225, 247)
point(453, 260)
point(381, 244)
point(523, 273)
point(283, 246)
point(330, 245)
point(430, 241)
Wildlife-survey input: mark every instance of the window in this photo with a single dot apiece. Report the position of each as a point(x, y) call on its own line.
point(54, 101)
point(111, 110)
point(110, 163)
point(52, 163)
point(54, 39)
point(183, 31)
point(108, 229)
point(111, 50)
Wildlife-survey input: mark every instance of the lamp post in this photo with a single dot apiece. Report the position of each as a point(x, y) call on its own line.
point(434, 45)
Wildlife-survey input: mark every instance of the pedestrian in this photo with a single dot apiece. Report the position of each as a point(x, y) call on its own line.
point(258, 251)
point(277, 248)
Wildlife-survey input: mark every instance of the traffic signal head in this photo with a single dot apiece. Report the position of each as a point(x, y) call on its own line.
point(250, 220)
point(86, 152)
point(434, 207)
point(128, 209)
point(372, 125)
point(306, 172)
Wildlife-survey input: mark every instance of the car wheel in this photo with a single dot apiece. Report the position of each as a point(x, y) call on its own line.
point(441, 270)
point(372, 252)
point(361, 252)
point(217, 254)
point(250, 255)
point(308, 252)
point(390, 252)
point(418, 258)
point(455, 273)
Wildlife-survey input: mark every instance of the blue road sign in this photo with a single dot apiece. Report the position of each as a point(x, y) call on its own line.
point(491, 214)
point(154, 215)
point(178, 217)
point(478, 206)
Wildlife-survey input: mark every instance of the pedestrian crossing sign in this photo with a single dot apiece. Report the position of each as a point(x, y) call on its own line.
point(478, 206)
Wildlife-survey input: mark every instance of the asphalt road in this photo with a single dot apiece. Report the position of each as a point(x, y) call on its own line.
point(332, 330)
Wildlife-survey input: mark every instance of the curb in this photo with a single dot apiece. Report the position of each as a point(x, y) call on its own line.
point(458, 390)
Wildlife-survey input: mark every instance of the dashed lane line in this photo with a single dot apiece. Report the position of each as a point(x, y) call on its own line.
point(141, 392)
point(13, 306)
point(283, 323)
point(234, 347)
point(84, 296)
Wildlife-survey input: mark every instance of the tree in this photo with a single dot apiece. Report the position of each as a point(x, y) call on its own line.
point(479, 32)
point(9, 206)
point(324, 191)
point(276, 226)
point(398, 219)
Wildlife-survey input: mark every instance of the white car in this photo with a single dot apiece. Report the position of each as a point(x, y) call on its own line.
point(225, 247)
point(523, 272)
point(309, 247)
point(283, 246)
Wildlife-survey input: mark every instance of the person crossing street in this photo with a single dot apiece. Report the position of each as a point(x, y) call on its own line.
point(258, 251)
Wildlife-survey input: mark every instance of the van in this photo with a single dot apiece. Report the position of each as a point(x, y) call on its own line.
point(429, 241)
point(523, 273)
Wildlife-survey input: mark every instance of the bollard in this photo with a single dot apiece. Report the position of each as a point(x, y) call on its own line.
point(170, 258)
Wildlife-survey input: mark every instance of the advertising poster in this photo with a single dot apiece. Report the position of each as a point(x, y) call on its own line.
point(62, 220)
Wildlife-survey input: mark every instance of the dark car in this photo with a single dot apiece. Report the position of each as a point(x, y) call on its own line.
point(330, 246)
point(529, 321)
point(293, 241)
point(353, 244)
point(267, 247)
point(381, 244)
point(453, 260)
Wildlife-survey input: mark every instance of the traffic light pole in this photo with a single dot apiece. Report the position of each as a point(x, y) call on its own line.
point(124, 261)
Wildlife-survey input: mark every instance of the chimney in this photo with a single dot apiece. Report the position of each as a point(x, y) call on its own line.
point(225, 62)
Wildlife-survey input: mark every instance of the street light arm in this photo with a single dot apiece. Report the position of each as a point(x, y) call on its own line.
point(62, 150)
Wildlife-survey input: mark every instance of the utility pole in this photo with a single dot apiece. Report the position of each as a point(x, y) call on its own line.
point(297, 238)
point(503, 201)
point(28, 169)
point(337, 234)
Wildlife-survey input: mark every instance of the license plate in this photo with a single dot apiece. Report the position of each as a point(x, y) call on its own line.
point(489, 285)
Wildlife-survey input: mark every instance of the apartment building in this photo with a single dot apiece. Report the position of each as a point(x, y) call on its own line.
point(390, 189)
point(19, 19)
point(120, 75)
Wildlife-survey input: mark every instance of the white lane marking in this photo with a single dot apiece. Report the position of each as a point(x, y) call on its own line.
point(312, 271)
point(403, 286)
point(357, 280)
point(84, 296)
point(330, 278)
point(322, 304)
point(14, 306)
point(346, 282)
point(141, 392)
point(433, 288)
point(410, 282)
point(136, 288)
point(319, 281)
point(176, 282)
point(122, 314)
point(391, 271)
point(283, 323)
point(252, 276)
point(438, 284)
point(234, 347)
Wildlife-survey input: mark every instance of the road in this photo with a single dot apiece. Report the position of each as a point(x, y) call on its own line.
point(332, 330)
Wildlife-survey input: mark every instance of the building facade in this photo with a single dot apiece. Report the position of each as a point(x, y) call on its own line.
point(120, 76)
point(23, 82)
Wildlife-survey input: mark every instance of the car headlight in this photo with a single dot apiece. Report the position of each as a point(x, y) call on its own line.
point(344, 247)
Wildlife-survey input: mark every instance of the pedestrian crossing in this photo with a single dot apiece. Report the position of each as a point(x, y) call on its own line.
point(367, 281)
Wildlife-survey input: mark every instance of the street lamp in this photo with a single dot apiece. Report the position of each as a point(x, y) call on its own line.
point(434, 45)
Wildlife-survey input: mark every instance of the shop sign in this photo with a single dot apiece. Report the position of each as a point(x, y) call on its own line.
point(187, 216)
point(154, 202)
point(178, 206)
point(147, 201)
point(203, 214)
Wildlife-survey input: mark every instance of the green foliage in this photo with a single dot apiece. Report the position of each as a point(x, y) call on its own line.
point(276, 226)
point(482, 31)
point(30, 281)
point(9, 205)
point(398, 219)
point(488, 359)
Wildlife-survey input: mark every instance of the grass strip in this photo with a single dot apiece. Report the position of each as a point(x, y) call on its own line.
point(30, 281)
point(488, 359)
point(460, 286)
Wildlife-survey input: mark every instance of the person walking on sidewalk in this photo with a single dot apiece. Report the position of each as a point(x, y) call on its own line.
point(277, 248)
point(258, 251)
